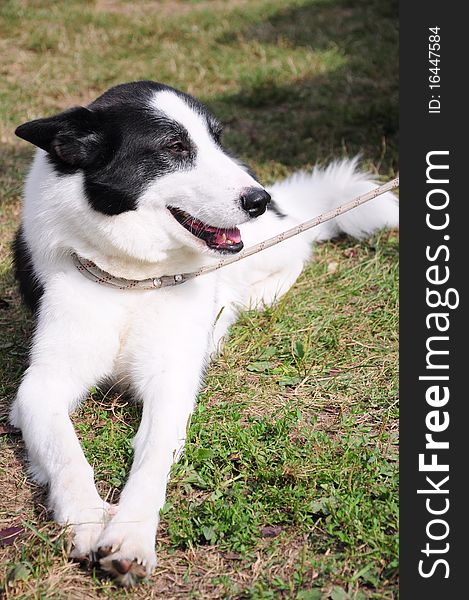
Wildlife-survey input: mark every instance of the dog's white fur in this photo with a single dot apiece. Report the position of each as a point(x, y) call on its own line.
point(159, 341)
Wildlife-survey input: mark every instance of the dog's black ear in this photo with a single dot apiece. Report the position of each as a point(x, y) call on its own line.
point(74, 137)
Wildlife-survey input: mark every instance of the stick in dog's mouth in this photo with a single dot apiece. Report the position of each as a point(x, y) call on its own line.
point(216, 238)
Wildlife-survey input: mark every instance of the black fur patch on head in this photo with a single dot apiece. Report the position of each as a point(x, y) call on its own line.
point(119, 142)
point(141, 146)
point(31, 290)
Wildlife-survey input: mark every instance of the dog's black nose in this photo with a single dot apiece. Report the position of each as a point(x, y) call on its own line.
point(254, 201)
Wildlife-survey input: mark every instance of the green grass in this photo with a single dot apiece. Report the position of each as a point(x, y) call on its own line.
point(288, 486)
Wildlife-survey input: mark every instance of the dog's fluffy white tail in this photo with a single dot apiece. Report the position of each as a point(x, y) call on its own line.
point(306, 195)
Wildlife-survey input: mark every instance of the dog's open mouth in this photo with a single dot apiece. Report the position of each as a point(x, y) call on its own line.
point(216, 238)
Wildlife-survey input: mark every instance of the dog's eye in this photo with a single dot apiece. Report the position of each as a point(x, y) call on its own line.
point(178, 147)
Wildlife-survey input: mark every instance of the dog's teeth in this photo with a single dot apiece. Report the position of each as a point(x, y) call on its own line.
point(229, 242)
point(223, 238)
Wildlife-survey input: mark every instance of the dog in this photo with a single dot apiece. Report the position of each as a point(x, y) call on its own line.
point(139, 183)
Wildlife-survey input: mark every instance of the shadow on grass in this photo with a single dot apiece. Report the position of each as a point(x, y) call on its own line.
point(348, 110)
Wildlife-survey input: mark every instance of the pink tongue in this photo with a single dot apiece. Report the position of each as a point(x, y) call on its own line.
point(222, 237)
point(227, 237)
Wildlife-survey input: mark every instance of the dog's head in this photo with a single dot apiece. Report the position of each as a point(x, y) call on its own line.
point(144, 146)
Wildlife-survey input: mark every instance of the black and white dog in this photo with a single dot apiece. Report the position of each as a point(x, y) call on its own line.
point(139, 183)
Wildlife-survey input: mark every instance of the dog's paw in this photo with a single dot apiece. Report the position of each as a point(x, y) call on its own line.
point(85, 534)
point(127, 553)
point(124, 571)
point(85, 538)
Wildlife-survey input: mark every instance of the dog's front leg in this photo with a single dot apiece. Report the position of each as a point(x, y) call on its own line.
point(127, 545)
point(72, 349)
point(167, 377)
